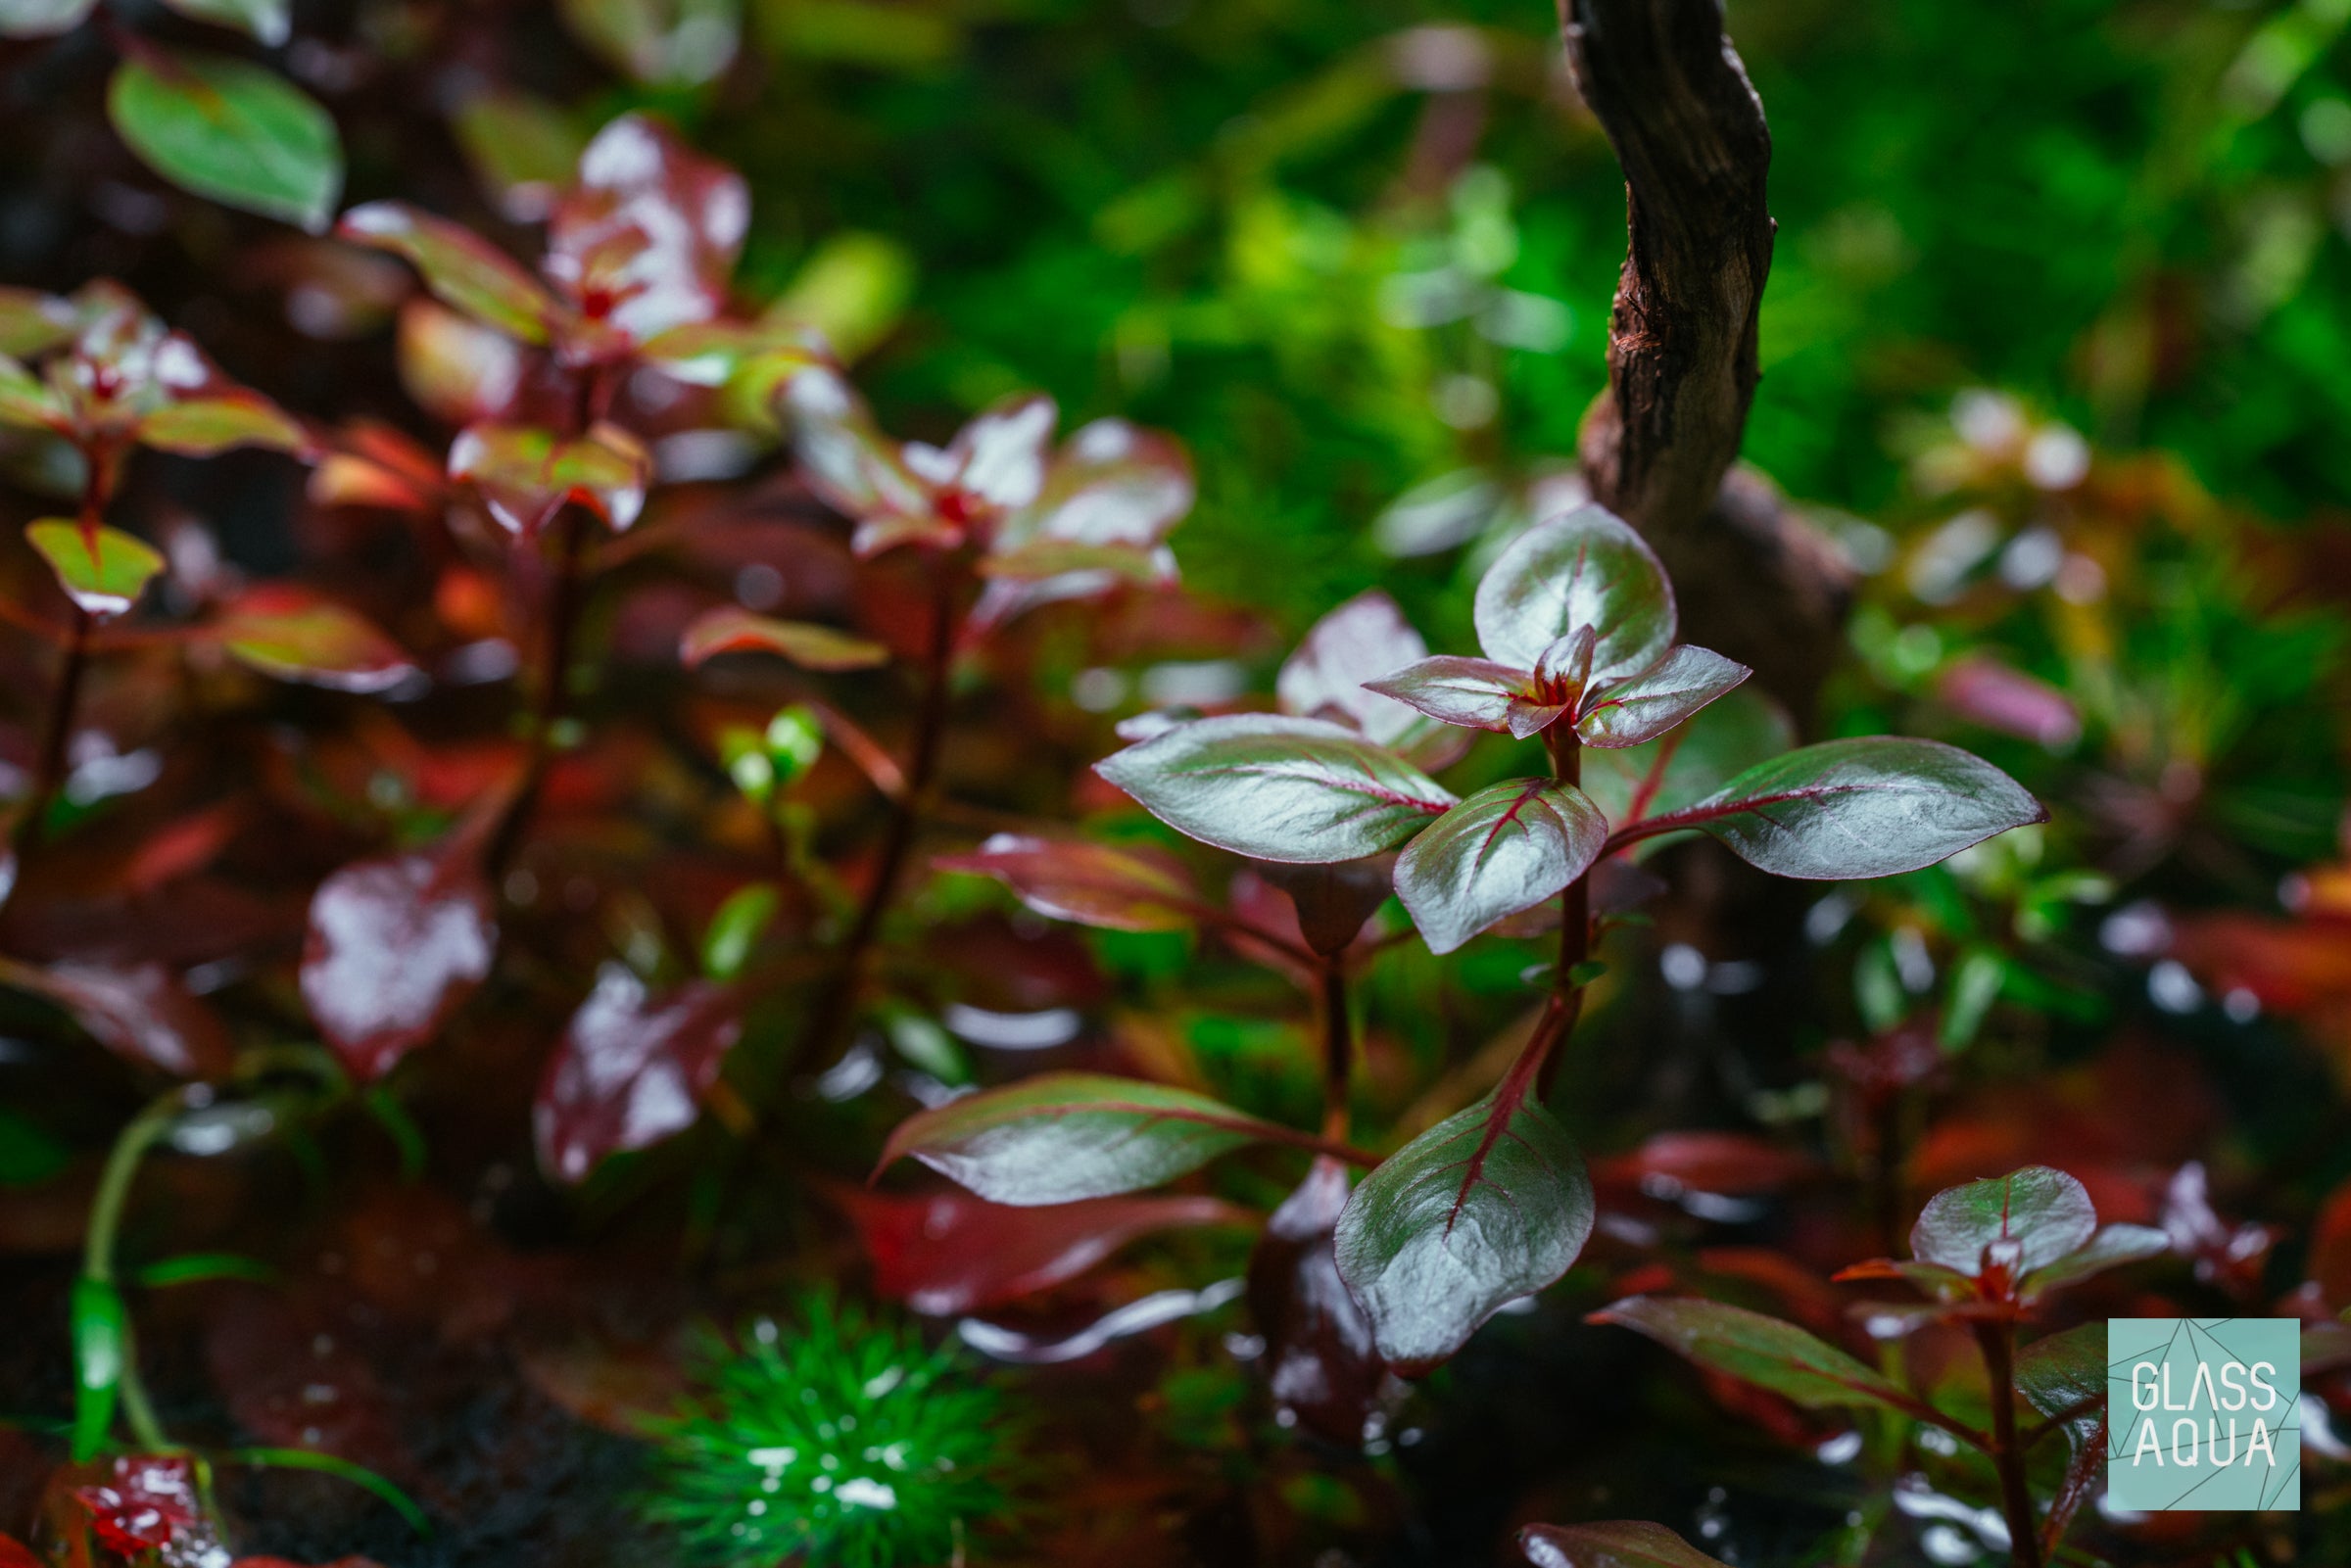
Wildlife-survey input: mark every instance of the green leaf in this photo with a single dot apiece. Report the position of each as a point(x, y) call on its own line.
point(1612, 1543)
point(1586, 569)
point(232, 132)
point(1102, 885)
point(266, 22)
point(1489, 1204)
point(39, 18)
point(2035, 1216)
point(524, 149)
point(674, 42)
point(1754, 1348)
point(1659, 698)
point(735, 931)
point(101, 1350)
point(459, 265)
point(32, 322)
point(291, 634)
point(728, 630)
point(1871, 807)
point(103, 570)
point(359, 1475)
point(26, 400)
point(1279, 789)
point(1063, 1136)
point(193, 1268)
point(1507, 847)
point(200, 427)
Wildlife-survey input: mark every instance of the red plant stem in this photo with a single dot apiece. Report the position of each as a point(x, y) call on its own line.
point(1575, 918)
point(57, 730)
point(1338, 1049)
point(57, 733)
point(1998, 1341)
point(551, 702)
point(906, 809)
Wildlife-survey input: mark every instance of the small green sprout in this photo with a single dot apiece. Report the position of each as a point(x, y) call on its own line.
point(843, 1443)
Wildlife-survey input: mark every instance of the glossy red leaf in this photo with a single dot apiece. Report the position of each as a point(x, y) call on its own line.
point(1473, 693)
point(1330, 676)
point(13, 1553)
point(395, 944)
point(150, 1504)
point(730, 630)
point(1998, 696)
point(948, 1252)
point(1659, 698)
point(140, 1011)
point(1730, 1164)
point(1874, 806)
point(2024, 1221)
point(1505, 848)
point(631, 1069)
point(1274, 787)
point(527, 474)
point(1115, 887)
point(1114, 489)
point(1332, 901)
point(647, 236)
point(1060, 1137)
point(1585, 570)
point(1766, 1352)
point(1322, 1367)
point(458, 266)
point(292, 634)
point(1487, 1206)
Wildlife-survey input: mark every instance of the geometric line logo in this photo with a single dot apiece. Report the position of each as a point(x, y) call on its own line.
point(2203, 1413)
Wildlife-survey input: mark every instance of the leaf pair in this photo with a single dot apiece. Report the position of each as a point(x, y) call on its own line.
point(1049, 522)
point(113, 376)
point(1577, 621)
point(2007, 1241)
point(1488, 1205)
point(640, 246)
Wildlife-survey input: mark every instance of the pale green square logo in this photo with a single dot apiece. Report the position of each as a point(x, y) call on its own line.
point(2200, 1414)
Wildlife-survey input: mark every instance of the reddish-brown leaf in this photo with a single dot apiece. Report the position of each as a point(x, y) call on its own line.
point(631, 1069)
point(1117, 887)
point(1320, 1363)
point(949, 1252)
point(395, 944)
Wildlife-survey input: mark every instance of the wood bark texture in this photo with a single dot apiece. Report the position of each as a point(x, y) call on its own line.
point(1658, 447)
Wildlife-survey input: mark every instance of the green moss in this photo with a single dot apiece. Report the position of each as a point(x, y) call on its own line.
point(840, 1442)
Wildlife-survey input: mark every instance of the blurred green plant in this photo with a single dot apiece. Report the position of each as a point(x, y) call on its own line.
point(836, 1437)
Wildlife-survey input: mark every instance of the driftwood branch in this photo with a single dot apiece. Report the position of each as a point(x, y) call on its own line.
point(1660, 443)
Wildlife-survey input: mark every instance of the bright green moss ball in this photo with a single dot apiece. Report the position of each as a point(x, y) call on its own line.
point(839, 1440)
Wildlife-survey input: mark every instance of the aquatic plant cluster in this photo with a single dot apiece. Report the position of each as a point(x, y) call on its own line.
point(651, 912)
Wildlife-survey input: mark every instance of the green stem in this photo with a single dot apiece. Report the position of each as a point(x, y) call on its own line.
point(105, 1227)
